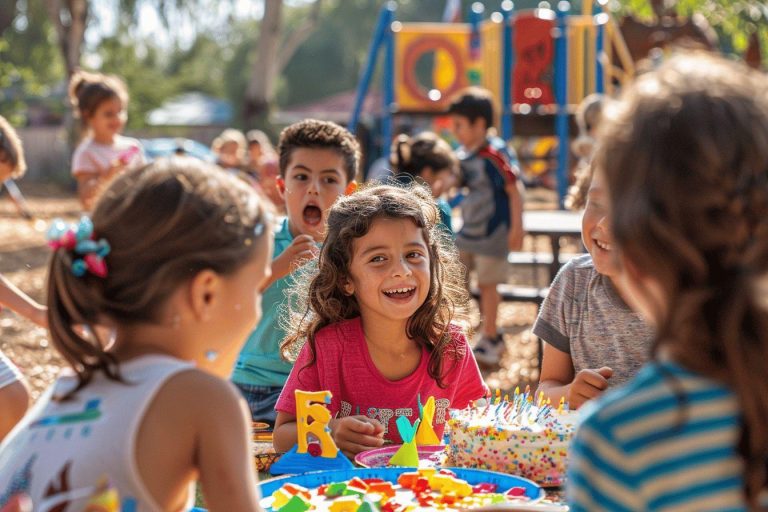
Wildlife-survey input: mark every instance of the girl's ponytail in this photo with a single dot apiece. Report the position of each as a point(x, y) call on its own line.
point(400, 157)
point(74, 311)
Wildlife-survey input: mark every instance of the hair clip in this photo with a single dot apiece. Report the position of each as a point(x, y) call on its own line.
point(258, 229)
point(78, 238)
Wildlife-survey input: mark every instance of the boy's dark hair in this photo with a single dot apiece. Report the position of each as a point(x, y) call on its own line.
point(164, 222)
point(474, 103)
point(319, 300)
point(315, 134)
point(11, 150)
point(89, 90)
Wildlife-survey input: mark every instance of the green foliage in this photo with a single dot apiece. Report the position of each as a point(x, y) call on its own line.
point(733, 20)
point(31, 67)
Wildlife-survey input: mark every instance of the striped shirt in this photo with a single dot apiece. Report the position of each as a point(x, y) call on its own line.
point(8, 372)
point(637, 448)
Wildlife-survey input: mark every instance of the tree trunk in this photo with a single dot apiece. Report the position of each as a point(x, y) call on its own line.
point(69, 17)
point(7, 14)
point(272, 55)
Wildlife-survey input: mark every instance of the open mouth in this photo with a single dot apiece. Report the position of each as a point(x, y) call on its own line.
point(400, 293)
point(312, 215)
point(602, 245)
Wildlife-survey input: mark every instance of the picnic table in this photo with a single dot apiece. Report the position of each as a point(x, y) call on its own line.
point(555, 225)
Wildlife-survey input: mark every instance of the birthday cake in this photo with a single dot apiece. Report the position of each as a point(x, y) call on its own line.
point(516, 437)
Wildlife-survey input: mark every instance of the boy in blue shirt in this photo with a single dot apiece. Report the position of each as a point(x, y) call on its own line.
point(492, 211)
point(318, 163)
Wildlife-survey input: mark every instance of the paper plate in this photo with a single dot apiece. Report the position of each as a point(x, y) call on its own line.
point(472, 476)
point(429, 456)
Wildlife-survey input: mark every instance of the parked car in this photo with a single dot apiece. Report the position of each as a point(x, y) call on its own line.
point(166, 146)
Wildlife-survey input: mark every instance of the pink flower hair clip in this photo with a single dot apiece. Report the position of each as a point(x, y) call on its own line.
point(79, 239)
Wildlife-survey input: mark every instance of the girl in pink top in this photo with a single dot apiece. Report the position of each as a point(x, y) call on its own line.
point(100, 102)
point(380, 329)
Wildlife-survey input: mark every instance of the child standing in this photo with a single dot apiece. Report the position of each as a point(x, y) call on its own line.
point(318, 163)
point(380, 329)
point(685, 160)
point(592, 339)
point(100, 102)
point(430, 159)
point(492, 211)
point(173, 259)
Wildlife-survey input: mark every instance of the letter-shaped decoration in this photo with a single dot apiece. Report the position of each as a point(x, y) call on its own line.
point(426, 433)
point(408, 453)
point(310, 404)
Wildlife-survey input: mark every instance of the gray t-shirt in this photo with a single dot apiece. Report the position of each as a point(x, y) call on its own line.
point(584, 316)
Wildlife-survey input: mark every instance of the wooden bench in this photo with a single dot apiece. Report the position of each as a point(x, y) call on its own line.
point(515, 293)
point(538, 258)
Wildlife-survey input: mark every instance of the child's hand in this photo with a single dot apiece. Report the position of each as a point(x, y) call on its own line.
point(354, 434)
point(587, 385)
point(301, 250)
point(115, 168)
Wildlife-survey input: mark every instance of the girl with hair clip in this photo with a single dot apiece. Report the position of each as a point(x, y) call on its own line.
point(381, 324)
point(100, 102)
point(173, 259)
point(429, 159)
point(685, 159)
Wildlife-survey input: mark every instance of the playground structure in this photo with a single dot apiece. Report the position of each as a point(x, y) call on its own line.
point(539, 64)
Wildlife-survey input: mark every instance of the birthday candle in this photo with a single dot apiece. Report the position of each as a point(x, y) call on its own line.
point(561, 405)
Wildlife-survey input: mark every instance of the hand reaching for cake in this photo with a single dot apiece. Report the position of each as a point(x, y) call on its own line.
point(588, 384)
point(354, 434)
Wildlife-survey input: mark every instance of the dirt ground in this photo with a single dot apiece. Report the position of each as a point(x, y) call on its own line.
point(23, 260)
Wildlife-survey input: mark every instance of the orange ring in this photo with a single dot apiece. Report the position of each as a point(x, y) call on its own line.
point(419, 47)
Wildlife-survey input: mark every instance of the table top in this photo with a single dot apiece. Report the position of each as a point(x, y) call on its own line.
point(552, 222)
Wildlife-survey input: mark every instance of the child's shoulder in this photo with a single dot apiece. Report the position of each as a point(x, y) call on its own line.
point(457, 344)
point(577, 272)
point(492, 154)
point(340, 333)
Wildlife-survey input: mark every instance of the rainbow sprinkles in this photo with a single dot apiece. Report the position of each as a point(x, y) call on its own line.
point(517, 436)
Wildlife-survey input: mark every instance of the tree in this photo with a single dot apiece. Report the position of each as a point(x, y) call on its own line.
point(274, 50)
point(733, 20)
point(70, 19)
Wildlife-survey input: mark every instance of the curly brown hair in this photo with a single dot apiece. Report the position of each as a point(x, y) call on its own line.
point(685, 155)
point(315, 134)
point(319, 299)
point(164, 223)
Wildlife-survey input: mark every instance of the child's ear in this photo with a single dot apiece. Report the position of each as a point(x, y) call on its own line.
point(351, 187)
point(347, 287)
point(203, 294)
point(280, 184)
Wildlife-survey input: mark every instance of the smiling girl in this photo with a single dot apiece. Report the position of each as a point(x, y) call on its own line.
point(100, 102)
point(382, 324)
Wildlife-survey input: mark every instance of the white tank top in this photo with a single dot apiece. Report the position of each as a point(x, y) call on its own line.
point(61, 450)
